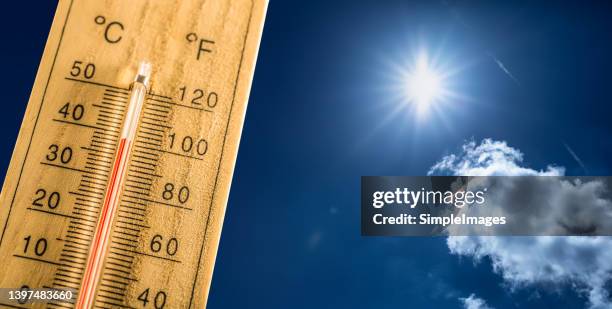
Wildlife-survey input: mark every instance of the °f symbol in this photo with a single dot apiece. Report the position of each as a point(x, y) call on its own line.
point(204, 45)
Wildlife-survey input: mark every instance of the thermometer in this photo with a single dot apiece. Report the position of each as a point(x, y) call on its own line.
point(119, 180)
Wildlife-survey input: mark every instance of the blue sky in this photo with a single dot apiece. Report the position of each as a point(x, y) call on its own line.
point(321, 115)
point(319, 118)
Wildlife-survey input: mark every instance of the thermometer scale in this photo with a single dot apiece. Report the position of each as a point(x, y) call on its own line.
point(119, 180)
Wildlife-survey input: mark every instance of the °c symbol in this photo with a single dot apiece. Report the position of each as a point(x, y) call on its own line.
point(112, 30)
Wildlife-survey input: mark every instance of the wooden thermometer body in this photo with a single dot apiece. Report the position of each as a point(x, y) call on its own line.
point(166, 227)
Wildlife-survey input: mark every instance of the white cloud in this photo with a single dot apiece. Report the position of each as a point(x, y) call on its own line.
point(583, 263)
point(489, 158)
point(473, 302)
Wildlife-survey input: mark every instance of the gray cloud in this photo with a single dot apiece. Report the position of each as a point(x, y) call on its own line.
point(541, 206)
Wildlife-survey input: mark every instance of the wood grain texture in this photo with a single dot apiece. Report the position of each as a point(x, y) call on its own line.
point(164, 241)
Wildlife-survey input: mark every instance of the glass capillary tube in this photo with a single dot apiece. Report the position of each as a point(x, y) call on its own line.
point(101, 238)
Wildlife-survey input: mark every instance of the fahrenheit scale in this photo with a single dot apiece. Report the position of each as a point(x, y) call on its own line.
point(119, 180)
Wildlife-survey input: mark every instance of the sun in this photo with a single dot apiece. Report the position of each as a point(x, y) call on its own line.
point(424, 85)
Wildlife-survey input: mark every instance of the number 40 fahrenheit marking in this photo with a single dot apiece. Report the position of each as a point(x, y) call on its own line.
point(111, 199)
